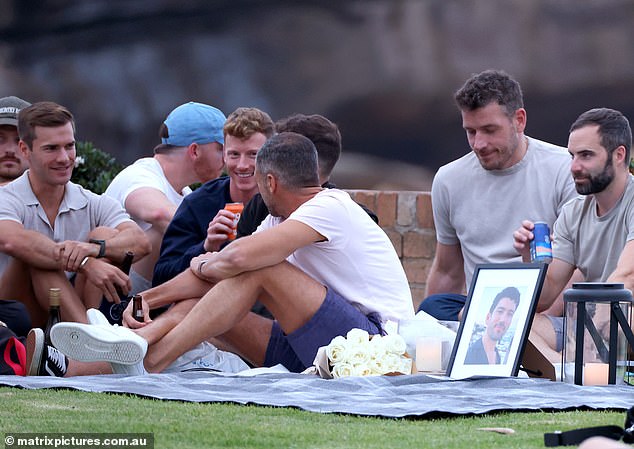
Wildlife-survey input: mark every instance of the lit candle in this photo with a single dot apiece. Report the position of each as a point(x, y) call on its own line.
point(428, 354)
point(595, 374)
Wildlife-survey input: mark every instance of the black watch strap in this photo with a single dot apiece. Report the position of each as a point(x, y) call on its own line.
point(102, 247)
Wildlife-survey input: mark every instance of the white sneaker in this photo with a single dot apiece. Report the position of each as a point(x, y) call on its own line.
point(89, 343)
point(96, 318)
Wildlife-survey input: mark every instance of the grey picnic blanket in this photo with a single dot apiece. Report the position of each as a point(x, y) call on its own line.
point(387, 396)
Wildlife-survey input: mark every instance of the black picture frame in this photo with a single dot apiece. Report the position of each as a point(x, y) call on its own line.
point(489, 281)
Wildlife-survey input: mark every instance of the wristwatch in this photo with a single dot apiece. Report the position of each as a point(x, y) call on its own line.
point(102, 247)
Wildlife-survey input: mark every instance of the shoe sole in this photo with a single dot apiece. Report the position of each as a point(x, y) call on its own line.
point(34, 348)
point(76, 342)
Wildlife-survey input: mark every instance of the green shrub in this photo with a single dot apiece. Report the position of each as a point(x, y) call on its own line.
point(94, 168)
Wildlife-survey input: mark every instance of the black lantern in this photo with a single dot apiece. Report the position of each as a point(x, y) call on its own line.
point(597, 330)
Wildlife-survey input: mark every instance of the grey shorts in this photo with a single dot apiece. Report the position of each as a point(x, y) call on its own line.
point(336, 316)
point(558, 327)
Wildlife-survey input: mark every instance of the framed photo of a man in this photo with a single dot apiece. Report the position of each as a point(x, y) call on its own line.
point(496, 320)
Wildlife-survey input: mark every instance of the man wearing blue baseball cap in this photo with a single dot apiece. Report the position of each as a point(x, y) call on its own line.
point(151, 189)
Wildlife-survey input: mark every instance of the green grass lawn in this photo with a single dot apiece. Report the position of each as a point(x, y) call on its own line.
point(192, 425)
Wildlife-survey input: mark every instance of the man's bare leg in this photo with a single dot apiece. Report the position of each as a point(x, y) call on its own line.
point(543, 336)
point(184, 286)
point(166, 321)
point(31, 286)
point(71, 306)
point(175, 292)
point(291, 296)
point(77, 368)
point(252, 350)
point(16, 284)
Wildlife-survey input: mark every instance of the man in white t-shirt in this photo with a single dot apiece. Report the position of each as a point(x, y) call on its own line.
point(152, 188)
point(318, 263)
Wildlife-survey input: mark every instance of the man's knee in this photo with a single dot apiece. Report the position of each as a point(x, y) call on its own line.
point(445, 306)
point(551, 329)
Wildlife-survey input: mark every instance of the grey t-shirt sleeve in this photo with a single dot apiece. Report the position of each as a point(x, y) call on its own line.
point(563, 242)
point(445, 232)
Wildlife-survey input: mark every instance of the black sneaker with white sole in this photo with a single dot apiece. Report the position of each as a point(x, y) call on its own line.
point(42, 359)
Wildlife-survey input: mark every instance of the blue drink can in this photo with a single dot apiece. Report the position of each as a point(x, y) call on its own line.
point(541, 249)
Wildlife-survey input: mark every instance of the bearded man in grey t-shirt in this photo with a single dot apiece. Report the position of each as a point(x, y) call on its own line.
point(595, 232)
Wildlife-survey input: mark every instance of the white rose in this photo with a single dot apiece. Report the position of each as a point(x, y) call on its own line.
point(357, 336)
point(342, 369)
point(362, 369)
point(394, 344)
point(79, 160)
point(359, 353)
point(337, 350)
point(377, 365)
point(377, 345)
point(391, 363)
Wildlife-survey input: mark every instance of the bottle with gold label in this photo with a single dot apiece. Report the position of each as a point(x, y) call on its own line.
point(53, 313)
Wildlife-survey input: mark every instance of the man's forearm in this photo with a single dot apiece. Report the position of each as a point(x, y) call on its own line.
point(34, 249)
point(443, 282)
point(129, 239)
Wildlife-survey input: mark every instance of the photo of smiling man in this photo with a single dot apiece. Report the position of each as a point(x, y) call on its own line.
point(484, 350)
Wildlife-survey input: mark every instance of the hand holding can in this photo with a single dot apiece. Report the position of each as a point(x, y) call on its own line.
point(541, 248)
point(236, 209)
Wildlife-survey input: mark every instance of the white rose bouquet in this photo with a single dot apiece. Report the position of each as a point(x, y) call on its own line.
point(359, 355)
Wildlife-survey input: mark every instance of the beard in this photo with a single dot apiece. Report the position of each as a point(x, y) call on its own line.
point(597, 183)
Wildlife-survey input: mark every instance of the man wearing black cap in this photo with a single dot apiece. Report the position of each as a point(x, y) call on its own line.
point(12, 164)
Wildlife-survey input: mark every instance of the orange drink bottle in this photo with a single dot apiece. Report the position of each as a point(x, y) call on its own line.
point(236, 208)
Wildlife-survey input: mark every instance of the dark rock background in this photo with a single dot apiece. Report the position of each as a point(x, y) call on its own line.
point(384, 70)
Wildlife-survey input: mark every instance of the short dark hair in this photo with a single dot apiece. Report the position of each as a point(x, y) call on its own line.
point(322, 132)
point(511, 293)
point(614, 129)
point(44, 113)
point(490, 86)
point(292, 158)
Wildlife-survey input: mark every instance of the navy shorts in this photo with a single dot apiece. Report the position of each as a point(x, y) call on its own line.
point(558, 327)
point(443, 306)
point(336, 316)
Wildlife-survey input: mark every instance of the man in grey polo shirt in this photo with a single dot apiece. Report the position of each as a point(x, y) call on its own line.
point(51, 229)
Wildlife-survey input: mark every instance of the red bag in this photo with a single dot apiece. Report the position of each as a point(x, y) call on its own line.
point(13, 360)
